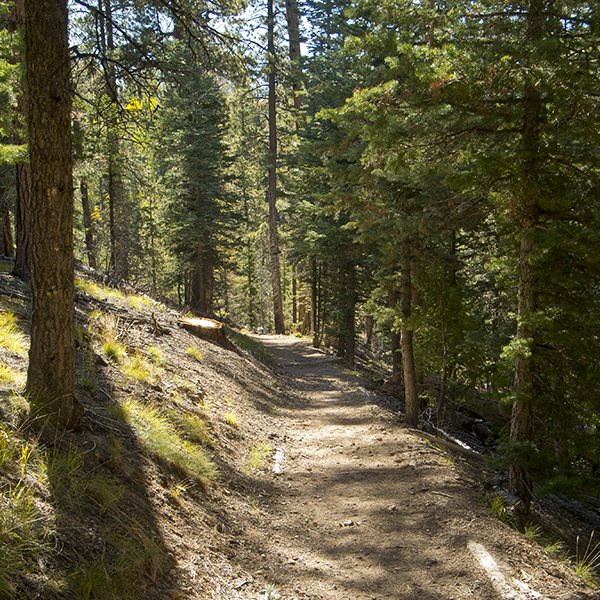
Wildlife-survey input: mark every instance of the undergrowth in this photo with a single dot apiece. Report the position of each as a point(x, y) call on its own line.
point(14, 342)
point(194, 353)
point(159, 436)
point(584, 564)
point(41, 488)
point(138, 368)
point(100, 292)
point(11, 337)
point(587, 560)
point(27, 536)
point(257, 457)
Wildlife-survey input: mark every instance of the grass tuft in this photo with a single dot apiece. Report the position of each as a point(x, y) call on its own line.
point(587, 561)
point(106, 492)
point(12, 377)
point(27, 537)
point(159, 437)
point(85, 286)
point(114, 351)
point(196, 430)
point(257, 458)
point(232, 419)
point(533, 532)
point(11, 337)
point(194, 353)
point(251, 345)
point(138, 368)
point(138, 302)
point(554, 548)
point(156, 356)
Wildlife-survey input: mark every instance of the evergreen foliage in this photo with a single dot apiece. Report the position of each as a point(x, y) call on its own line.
point(200, 214)
point(437, 183)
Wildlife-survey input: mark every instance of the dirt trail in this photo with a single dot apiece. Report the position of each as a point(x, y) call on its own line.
point(366, 510)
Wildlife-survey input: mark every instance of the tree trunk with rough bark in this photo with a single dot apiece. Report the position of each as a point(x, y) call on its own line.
point(118, 217)
point(8, 245)
point(23, 233)
point(350, 326)
point(521, 428)
point(293, 23)
point(394, 336)
point(314, 301)
point(272, 185)
point(202, 286)
point(408, 358)
point(88, 224)
point(51, 374)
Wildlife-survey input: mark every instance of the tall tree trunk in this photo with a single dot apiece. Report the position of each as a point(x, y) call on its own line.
point(51, 373)
point(8, 245)
point(23, 224)
point(88, 225)
point(22, 267)
point(294, 300)
point(293, 22)
point(521, 428)
point(202, 284)
point(321, 305)
point(314, 301)
point(272, 190)
point(394, 335)
point(350, 326)
point(119, 227)
point(408, 358)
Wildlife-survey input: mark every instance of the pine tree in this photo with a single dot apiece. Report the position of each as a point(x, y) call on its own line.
point(51, 373)
point(193, 129)
point(496, 101)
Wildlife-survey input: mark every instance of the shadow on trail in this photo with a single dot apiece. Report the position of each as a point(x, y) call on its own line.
point(365, 519)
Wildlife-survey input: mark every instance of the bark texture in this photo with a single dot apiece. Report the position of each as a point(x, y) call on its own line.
point(202, 287)
point(23, 175)
point(408, 358)
point(7, 245)
point(293, 23)
point(521, 430)
point(349, 325)
point(272, 186)
point(119, 219)
point(394, 335)
point(51, 374)
point(88, 224)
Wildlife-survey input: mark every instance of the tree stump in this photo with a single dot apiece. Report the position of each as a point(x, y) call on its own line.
point(207, 329)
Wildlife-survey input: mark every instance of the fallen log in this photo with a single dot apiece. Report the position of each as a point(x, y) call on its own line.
point(445, 443)
point(207, 329)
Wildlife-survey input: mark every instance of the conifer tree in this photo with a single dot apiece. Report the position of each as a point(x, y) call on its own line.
point(51, 373)
point(496, 100)
point(193, 129)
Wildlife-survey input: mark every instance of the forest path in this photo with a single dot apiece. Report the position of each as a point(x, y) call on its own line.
point(369, 511)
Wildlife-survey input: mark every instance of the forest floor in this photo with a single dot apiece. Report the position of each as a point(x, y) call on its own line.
point(322, 492)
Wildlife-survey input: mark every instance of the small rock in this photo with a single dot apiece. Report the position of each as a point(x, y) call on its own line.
point(100, 360)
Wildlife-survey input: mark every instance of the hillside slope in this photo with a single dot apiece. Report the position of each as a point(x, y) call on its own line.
point(200, 472)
